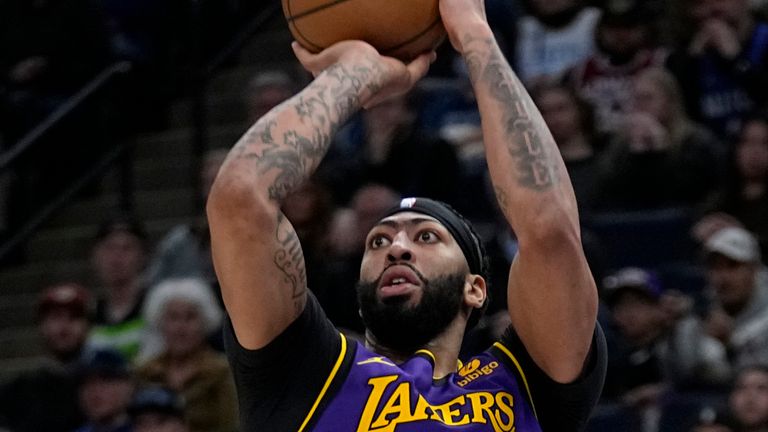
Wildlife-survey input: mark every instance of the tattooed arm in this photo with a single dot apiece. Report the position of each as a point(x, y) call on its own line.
point(256, 252)
point(552, 294)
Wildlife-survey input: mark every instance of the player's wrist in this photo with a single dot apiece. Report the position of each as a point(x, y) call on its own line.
point(474, 32)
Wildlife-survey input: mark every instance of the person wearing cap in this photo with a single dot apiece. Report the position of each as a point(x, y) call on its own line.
point(157, 409)
point(739, 286)
point(118, 257)
point(44, 399)
point(106, 387)
point(423, 273)
point(661, 345)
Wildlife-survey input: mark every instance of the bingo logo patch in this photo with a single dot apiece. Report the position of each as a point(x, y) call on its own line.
point(473, 370)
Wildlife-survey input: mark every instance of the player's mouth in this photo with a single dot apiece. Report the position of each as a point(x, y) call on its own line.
point(398, 280)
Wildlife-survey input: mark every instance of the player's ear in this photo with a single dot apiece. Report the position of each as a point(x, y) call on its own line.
point(475, 291)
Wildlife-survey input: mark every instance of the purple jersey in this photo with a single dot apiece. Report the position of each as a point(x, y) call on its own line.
point(312, 379)
point(378, 395)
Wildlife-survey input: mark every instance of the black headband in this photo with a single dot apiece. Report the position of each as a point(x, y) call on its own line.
point(452, 221)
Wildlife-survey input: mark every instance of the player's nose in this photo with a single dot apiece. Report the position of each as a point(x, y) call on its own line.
point(400, 249)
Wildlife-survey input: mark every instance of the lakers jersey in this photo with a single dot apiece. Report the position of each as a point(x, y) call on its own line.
point(377, 395)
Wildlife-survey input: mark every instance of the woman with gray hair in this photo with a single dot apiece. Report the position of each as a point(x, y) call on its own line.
point(184, 312)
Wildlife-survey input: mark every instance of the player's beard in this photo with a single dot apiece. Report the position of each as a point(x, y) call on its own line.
point(405, 328)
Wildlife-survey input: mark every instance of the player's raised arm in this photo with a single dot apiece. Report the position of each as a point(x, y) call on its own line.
point(552, 294)
point(256, 251)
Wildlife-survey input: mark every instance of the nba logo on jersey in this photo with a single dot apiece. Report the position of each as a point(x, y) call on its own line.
point(407, 202)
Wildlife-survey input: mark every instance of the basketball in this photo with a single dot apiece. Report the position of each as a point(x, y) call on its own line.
point(398, 28)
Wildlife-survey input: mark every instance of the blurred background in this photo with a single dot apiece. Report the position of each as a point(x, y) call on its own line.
point(115, 116)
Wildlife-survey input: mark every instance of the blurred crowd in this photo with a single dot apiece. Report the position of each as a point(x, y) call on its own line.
point(660, 111)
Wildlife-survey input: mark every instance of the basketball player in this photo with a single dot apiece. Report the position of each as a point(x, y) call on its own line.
point(422, 278)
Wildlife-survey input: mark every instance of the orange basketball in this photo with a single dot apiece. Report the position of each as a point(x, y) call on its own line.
point(398, 28)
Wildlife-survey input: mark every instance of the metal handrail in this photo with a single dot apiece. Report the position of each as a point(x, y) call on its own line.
point(240, 39)
point(108, 160)
point(31, 138)
point(199, 111)
point(40, 217)
point(237, 43)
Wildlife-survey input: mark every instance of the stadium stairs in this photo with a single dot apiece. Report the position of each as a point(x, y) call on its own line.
point(164, 184)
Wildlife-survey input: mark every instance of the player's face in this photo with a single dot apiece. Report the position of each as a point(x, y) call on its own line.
point(412, 281)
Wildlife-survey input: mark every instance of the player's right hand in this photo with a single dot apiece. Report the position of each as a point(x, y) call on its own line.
point(389, 77)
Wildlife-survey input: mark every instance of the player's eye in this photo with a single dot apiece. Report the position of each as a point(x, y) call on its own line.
point(427, 237)
point(378, 241)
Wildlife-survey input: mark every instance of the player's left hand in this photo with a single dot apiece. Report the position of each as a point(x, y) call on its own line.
point(390, 77)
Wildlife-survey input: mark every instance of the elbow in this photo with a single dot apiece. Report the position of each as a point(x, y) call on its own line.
point(552, 227)
point(234, 194)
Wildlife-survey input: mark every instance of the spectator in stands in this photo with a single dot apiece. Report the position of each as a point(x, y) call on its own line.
point(265, 91)
point(744, 199)
point(723, 70)
point(186, 250)
point(661, 345)
point(571, 121)
point(385, 145)
point(553, 37)
point(157, 409)
point(119, 256)
point(714, 420)
point(749, 399)
point(51, 388)
point(105, 392)
point(49, 49)
point(739, 314)
point(660, 157)
point(625, 42)
point(310, 210)
point(185, 312)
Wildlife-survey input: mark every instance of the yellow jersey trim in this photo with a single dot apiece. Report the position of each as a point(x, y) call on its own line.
point(427, 352)
point(331, 376)
point(522, 374)
point(431, 355)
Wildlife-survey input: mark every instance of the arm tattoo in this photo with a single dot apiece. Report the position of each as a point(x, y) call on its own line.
point(294, 151)
point(289, 259)
point(283, 149)
point(535, 167)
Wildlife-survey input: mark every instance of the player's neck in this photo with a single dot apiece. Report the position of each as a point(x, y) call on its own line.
point(444, 348)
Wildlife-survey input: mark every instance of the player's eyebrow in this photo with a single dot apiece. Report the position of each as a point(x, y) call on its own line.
point(395, 224)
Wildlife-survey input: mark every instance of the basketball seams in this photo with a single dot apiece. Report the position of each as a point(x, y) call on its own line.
point(290, 17)
point(297, 32)
point(426, 39)
point(414, 38)
point(296, 29)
